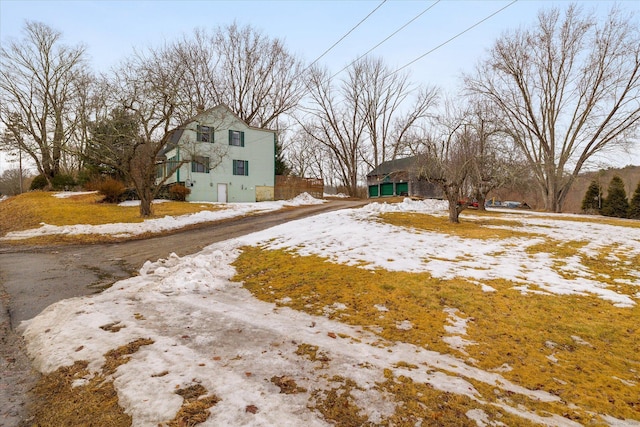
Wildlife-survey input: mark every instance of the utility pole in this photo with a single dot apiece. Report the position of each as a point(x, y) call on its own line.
point(20, 167)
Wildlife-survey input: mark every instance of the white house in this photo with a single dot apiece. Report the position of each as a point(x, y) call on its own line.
point(221, 158)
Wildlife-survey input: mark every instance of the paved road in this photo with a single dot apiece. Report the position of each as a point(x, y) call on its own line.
point(33, 278)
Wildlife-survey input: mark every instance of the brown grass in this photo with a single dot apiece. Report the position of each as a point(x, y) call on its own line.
point(94, 402)
point(58, 403)
point(42, 207)
point(195, 408)
point(507, 327)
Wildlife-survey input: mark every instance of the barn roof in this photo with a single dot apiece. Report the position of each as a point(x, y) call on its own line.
point(396, 165)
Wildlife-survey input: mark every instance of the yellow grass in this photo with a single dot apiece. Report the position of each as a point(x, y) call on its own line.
point(620, 222)
point(61, 401)
point(579, 348)
point(525, 333)
point(469, 228)
point(29, 210)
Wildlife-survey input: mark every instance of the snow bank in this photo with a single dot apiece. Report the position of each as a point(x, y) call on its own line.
point(157, 225)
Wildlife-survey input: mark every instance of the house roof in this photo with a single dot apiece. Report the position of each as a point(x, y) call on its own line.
point(229, 111)
point(396, 165)
point(174, 138)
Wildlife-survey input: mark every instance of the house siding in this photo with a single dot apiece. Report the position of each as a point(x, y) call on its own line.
point(258, 150)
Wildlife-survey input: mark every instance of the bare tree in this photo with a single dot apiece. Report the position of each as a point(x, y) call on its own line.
point(336, 121)
point(447, 157)
point(366, 118)
point(144, 94)
point(494, 161)
point(386, 113)
point(11, 182)
point(568, 89)
point(199, 87)
point(307, 158)
point(240, 67)
point(256, 76)
point(144, 89)
point(39, 94)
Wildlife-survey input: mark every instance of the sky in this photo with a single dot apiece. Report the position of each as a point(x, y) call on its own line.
point(111, 30)
point(209, 330)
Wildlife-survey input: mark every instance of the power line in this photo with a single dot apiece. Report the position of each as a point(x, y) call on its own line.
point(454, 37)
point(349, 32)
point(391, 35)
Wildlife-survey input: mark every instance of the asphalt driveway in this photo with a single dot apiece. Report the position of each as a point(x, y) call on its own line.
point(32, 278)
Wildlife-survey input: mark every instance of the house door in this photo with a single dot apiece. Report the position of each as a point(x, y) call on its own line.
point(222, 193)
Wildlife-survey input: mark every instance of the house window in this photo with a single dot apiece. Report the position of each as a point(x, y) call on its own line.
point(204, 134)
point(241, 167)
point(172, 164)
point(236, 138)
point(200, 164)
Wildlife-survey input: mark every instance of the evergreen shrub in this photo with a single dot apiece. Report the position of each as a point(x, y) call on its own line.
point(592, 200)
point(62, 182)
point(38, 183)
point(616, 203)
point(634, 204)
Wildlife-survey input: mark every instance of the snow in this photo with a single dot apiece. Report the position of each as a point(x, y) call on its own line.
point(210, 330)
point(137, 202)
point(67, 194)
point(456, 328)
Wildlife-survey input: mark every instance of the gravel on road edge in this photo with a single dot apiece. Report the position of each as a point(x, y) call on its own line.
point(17, 377)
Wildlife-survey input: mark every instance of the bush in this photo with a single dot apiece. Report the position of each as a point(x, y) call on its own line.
point(87, 177)
point(63, 182)
point(39, 183)
point(179, 192)
point(111, 189)
point(615, 204)
point(93, 184)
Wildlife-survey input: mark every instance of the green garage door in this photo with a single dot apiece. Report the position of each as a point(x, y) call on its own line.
point(373, 191)
point(386, 189)
point(402, 188)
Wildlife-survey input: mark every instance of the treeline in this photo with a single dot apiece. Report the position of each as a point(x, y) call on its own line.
point(615, 203)
point(540, 104)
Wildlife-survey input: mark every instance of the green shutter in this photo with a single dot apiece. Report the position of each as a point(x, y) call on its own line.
point(235, 170)
point(246, 167)
point(241, 139)
point(231, 140)
point(198, 133)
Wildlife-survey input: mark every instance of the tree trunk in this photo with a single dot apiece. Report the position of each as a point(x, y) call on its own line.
point(146, 198)
point(481, 203)
point(481, 198)
point(454, 208)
